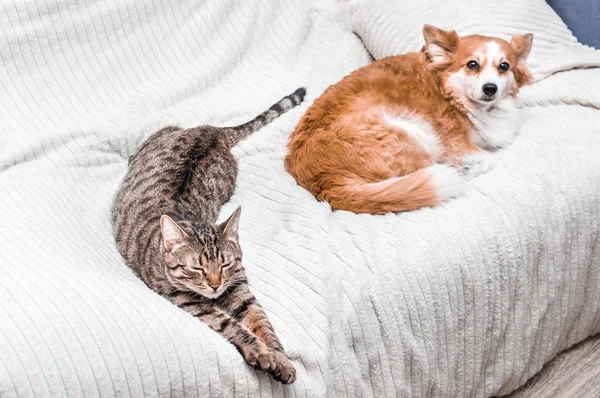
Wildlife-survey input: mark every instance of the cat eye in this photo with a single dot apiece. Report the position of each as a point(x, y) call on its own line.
point(473, 65)
point(503, 67)
point(225, 266)
point(185, 273)
point(201, 270)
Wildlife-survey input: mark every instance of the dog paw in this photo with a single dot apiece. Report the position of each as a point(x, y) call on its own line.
point(476, 164)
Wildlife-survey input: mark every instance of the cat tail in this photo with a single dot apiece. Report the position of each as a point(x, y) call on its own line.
point(423, 188)
point(237, 134)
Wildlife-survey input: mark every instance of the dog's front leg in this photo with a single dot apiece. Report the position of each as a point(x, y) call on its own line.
point(471, 160)
point(477, 163)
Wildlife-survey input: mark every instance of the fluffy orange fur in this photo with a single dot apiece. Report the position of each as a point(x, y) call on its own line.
point(344, 152)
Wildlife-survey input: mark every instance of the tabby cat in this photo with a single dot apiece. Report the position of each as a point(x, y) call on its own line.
point(164, 223)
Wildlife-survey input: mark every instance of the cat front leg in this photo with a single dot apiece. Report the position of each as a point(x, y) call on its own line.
point(244, 307)
point(254, 351)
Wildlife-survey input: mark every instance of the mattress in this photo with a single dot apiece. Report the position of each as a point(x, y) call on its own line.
point(470, 298)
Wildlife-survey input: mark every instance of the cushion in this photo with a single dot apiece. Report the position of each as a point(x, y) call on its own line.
point(394, 27)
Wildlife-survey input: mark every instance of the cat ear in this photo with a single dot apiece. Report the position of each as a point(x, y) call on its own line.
point(522, 46)
point(229, 228)
point(439, 44)
point(172, 233)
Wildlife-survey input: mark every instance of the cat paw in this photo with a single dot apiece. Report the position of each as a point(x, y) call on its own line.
point(476, 164)
point(261, 357)
point(284, 370)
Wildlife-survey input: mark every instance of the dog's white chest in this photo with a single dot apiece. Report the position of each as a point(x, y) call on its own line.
point(496, 127)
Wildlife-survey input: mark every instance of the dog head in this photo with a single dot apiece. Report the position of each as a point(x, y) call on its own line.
point(476, 68)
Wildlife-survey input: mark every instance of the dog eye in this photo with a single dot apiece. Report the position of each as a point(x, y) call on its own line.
point(473, 65)
point(503, 67)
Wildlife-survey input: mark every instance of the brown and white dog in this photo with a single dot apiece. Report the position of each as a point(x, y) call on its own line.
point(406, 131)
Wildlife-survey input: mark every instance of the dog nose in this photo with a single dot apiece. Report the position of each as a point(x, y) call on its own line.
point(490, 89)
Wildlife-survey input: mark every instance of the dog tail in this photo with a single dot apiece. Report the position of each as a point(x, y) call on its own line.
point(423, 188)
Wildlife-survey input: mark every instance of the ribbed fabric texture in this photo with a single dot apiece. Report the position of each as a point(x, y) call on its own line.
point(467, 299)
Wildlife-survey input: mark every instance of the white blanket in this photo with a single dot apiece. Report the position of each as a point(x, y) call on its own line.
point(470, 298)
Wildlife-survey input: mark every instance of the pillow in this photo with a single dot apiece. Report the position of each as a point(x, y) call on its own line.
point(391, 27)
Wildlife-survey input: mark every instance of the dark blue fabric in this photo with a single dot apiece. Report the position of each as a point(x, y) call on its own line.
point(582, 17)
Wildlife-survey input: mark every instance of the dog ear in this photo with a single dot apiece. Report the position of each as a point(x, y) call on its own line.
point(440, 44)
point(522, 46)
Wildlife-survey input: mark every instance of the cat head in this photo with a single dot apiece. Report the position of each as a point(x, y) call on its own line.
point(207, 261)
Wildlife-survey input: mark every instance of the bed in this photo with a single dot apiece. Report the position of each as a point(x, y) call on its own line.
point(470, 298)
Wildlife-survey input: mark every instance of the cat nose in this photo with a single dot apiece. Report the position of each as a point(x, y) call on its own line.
point(213, 281)
point(490, 89)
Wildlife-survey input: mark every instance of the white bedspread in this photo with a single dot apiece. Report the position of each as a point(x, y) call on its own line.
point(470, 298)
